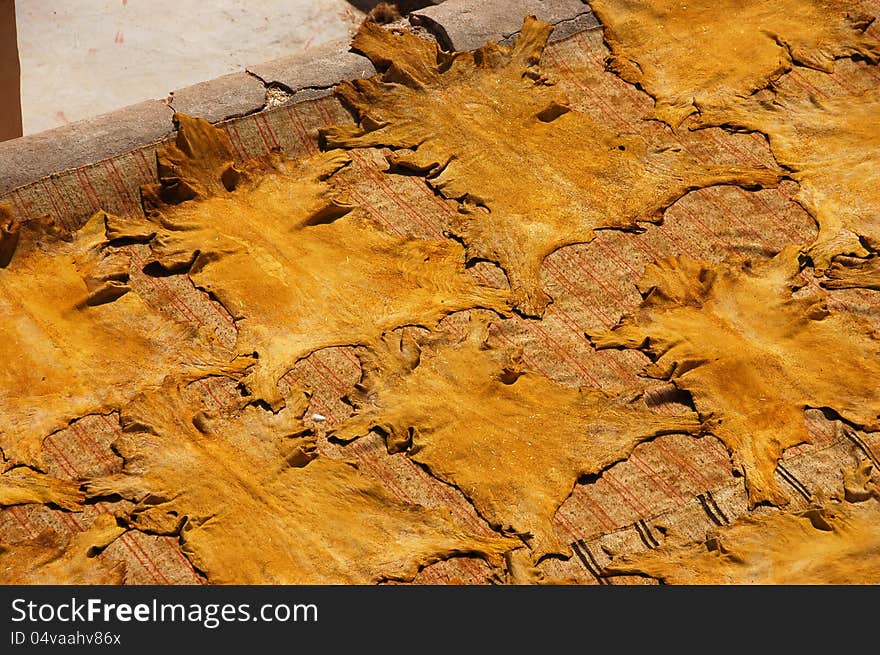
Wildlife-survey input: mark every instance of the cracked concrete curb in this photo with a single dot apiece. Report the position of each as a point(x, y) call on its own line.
point(456, 24)
point(468, 24)
point(314, 72)
point(225, 97)
point(33, 157)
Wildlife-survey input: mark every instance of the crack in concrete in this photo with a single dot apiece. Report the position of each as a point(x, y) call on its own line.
point(279, 93)
point(286, 88)
point(254, 75)
point(573, 19)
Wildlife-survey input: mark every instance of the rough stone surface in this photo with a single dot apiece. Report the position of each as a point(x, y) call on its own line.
point(228, 96)
point(468, 24)
point(33, 157)
point(315, 71)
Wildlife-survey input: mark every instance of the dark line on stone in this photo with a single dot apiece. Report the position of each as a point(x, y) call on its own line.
point(712, 500)
point(638, 528)
point(650, 535)
point(794, 482)
point(587, 559)
point(716, 520)
point(865, 448)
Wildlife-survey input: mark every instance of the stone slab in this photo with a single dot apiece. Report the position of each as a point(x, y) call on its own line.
point(228, 96)
point(468, 24)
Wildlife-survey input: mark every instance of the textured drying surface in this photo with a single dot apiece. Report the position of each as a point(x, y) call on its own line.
point(705, 54)
point(513, 441)
point(293, 265)
point(753, 356)
point(255, 504)
point(838, 544)
point(533, 174)
point(82, 341)
point(833, 148)
point(671, 485)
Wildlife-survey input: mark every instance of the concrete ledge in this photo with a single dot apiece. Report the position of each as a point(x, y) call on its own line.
point(229, 96)
point(315, 72)
point(468, 24)
point(35, 156)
